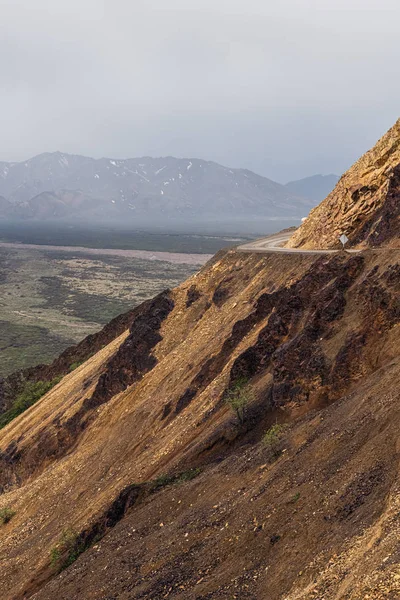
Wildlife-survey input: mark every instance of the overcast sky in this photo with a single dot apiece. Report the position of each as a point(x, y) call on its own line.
point(287, 88)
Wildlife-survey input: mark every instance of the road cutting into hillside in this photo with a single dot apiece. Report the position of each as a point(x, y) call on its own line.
point(274, 243)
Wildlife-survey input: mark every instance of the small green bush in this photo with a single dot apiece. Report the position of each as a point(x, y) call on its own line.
point(30, 394)
point(6, 514)
point(68, 548)
point(75, 365)
point(78, 363)
point(55, 556)
point(239, 397)
point(273, 437)
point(164, 480)
point(188, 475)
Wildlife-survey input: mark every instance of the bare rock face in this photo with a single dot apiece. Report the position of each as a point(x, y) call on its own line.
point(365, 204)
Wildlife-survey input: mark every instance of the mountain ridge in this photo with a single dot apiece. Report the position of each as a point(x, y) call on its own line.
point(316, 187)
point(365, 204)
point(67, 185)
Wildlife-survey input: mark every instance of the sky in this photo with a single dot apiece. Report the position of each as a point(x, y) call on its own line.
point(287, 89)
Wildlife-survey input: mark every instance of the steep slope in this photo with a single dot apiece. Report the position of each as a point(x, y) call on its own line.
point(314, 514)
point(365, 204)
point(316, 187)
point(319, 522)
point(57, 185)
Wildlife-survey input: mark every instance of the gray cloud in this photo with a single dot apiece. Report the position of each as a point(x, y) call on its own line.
point(287, 89)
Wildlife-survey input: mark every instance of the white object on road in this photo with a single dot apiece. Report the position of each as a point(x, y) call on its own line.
point(344, 239)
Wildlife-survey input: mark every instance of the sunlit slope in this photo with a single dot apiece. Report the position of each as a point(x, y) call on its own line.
point(304, 332)
point(365, 204)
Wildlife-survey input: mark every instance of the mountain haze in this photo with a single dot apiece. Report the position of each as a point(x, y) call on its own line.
point(316, 187)
point(63, 186)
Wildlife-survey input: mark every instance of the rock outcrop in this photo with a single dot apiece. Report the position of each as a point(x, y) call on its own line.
point(365, 204)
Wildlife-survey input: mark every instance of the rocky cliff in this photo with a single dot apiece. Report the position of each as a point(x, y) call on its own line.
point(133, 478)
point(365, 204)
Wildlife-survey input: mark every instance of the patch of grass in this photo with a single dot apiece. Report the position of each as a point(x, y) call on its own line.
point(55, 556)
point(68, 548)
point(78, 363)
point(6, 514)
point(31, 393)
point(187, 475)
point(75, 365)
point(164, 480)
point(239, 396)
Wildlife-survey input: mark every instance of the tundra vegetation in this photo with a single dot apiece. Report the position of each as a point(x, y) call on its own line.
point(6, 514)
point(68, 548)
point(30, 394)
point(238, 397)
point(273, 437)
point(52, 299)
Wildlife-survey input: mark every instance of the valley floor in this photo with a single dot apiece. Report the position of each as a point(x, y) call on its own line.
point(53, 297)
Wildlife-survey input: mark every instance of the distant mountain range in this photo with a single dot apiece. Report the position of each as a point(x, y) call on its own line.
point(62, 186)
point(315, 188)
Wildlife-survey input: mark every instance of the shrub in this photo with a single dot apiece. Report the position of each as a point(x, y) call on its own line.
point(55, 556)
point(188, 475)
point(74, 366)
point(273, 437)
point(164, 480)
point(28, 396)
point(68, 548)
point(6, 514)
point(294, 498)
point(238, 397)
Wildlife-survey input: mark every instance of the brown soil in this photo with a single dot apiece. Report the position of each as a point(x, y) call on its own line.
point(314, 516)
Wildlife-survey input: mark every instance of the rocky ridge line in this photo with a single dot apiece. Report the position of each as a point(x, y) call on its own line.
point(365, 204)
